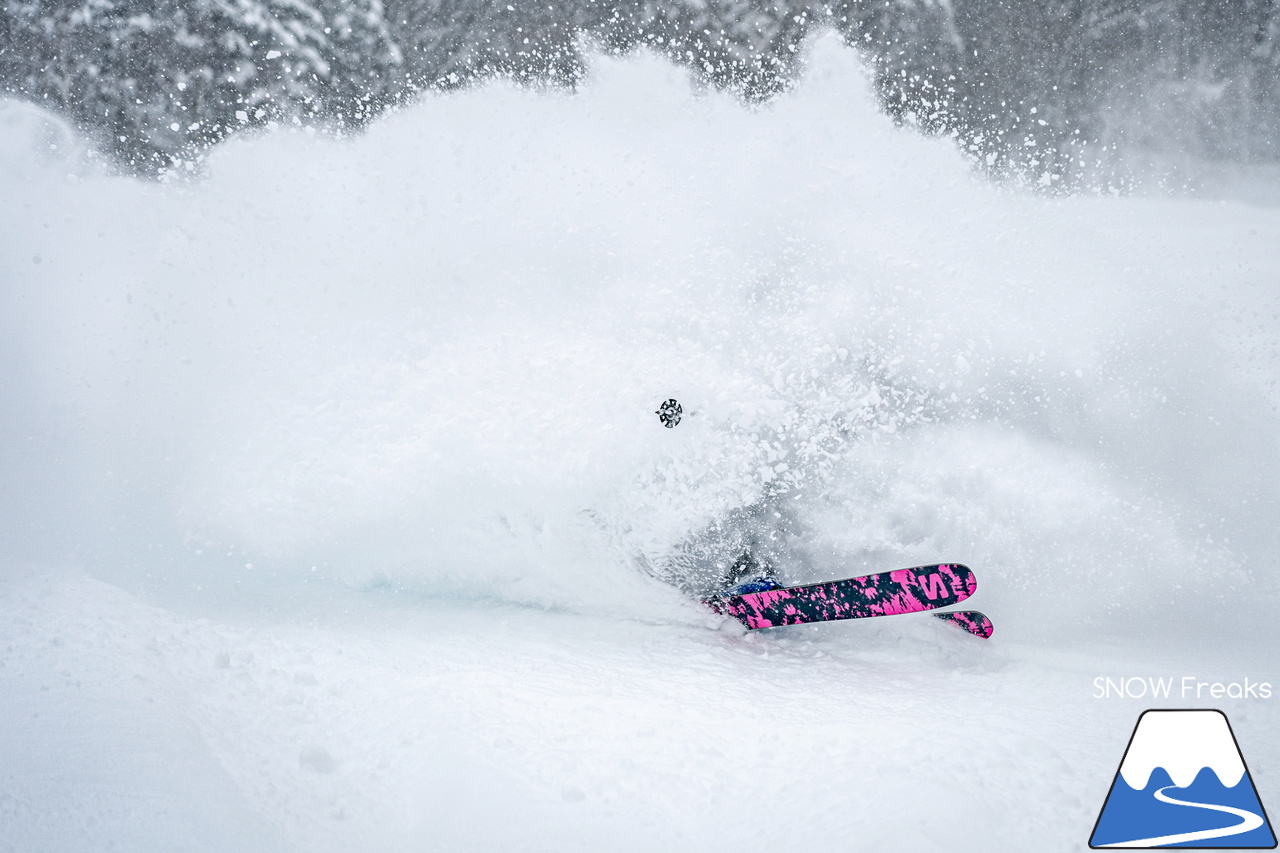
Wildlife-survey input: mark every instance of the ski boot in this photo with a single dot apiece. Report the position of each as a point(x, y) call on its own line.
point(747, 575)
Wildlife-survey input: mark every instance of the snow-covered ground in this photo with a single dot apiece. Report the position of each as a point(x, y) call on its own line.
point(335, 505)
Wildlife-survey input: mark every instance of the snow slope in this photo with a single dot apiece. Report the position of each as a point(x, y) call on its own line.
point(338, 517)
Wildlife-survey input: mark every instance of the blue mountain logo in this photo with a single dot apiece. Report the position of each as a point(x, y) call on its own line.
point(1183, 783)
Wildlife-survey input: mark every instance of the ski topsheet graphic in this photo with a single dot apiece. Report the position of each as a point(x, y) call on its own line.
point(973, 621)
point(1182, 783)
point(886, 594)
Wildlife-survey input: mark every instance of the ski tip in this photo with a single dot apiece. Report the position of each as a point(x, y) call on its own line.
point(964, 573)
point(962, 580)
point(974, 622)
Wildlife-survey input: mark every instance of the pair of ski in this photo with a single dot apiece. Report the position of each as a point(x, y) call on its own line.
point(916, 590)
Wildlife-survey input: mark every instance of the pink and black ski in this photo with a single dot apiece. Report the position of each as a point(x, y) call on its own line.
point(970, 620)
point(887, 594)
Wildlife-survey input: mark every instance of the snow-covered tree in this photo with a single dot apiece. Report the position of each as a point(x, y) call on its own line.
point(155, 77)
point(1034, 88)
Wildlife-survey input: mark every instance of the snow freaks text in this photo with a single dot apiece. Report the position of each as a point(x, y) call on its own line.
point(1184, 687)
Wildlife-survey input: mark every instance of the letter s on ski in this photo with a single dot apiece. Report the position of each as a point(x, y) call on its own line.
point(933, 586)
